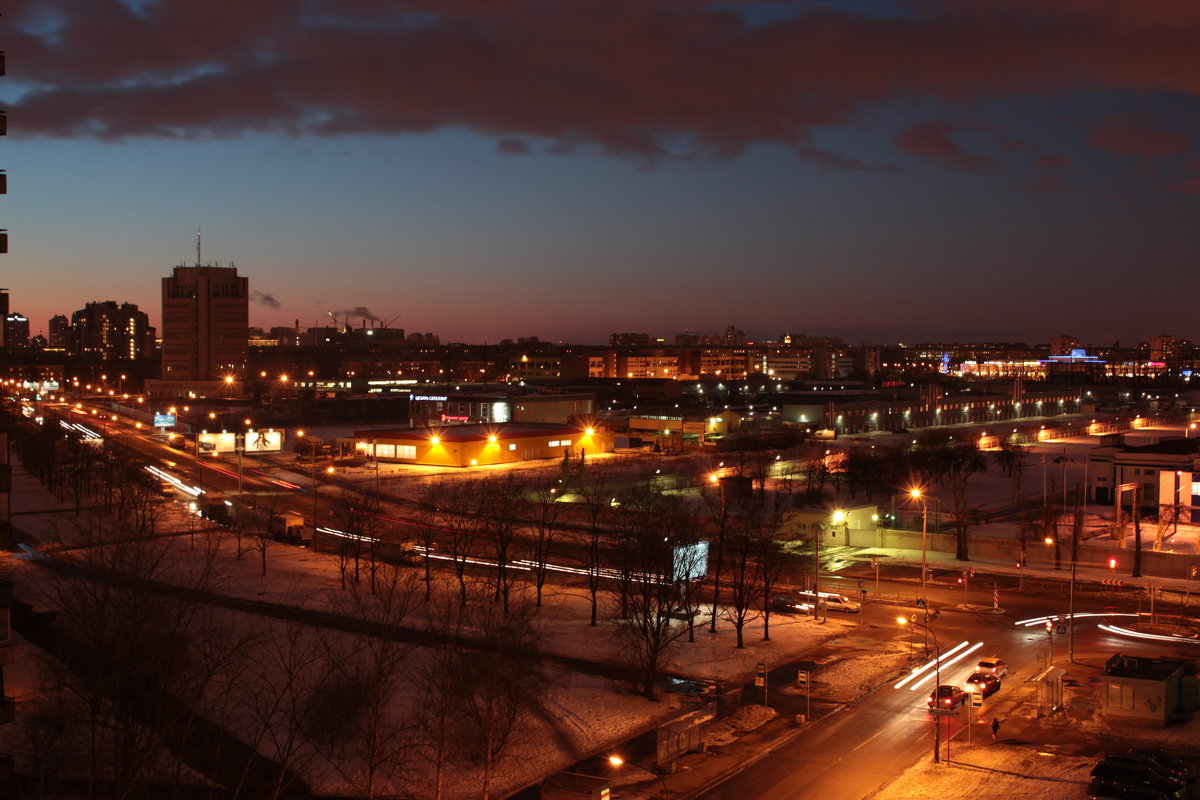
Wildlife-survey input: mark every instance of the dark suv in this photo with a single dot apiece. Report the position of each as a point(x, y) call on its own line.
point(1109, 777)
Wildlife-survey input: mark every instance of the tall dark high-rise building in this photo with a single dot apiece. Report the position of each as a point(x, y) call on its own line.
point(205, 323)
point(110, 332)
point(58, 332)
point(16, 331)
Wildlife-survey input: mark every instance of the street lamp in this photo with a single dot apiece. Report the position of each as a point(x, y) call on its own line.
point(916, 495)
point(937, 671)
point(617, 761)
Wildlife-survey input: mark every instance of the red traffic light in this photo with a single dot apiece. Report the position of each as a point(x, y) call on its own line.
point(1112, 563)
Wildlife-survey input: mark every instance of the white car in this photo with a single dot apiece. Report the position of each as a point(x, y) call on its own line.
point(992, 665)
point(833, 602)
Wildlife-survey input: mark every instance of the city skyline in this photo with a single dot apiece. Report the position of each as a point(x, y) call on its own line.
point(1004, 171)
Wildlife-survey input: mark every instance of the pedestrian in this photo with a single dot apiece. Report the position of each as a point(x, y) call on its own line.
point(995, 728)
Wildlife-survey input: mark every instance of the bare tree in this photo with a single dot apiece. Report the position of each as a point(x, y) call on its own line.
point(745, 575)
point(543, 513)
point(501, 681)
point(503, 505)
point(595, 487)
point(656, 603)
point(378, 737)
point(965, 461)
point(461, 518)
point(769, 552)
point(717, 502)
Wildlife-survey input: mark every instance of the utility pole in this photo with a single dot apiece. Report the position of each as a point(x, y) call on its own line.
point(817, 571)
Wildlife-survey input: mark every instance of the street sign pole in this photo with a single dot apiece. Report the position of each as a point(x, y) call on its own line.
point(803, 678)
point(976, 702)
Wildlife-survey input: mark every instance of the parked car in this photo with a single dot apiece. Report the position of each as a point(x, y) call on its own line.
point(993, 665)
point(1147, 762)
point(983, 682)
point(945, 697)
point(1131, 793)
point(1109, 777)
point(1186, 769)
point(832, 602)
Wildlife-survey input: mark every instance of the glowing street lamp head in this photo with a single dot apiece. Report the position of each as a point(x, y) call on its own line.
point(616, 761)
point(589, 432)
point(915, 493)
point(492, 439)
point(435, 440)
point(839, 516)
point(901, 621)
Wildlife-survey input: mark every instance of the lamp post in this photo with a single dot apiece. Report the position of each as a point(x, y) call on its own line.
point(916, 495)
point(817, 572)
point(937, 671)
point(617, 761)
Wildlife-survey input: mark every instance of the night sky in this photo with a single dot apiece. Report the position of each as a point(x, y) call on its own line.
point(983, 169)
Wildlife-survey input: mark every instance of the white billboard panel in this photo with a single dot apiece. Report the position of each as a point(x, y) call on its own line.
point(269, 441)
point(216, 442)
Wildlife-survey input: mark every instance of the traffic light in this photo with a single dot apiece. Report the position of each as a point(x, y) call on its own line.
point(1112, 563)
point(1049, 626)
point(1193, 571)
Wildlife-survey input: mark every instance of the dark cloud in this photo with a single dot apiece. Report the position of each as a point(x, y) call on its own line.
point(1135, 136)
point(1051, 161)
point(264, 298)
point(357, 312)
point(1044, 182)
point(647, 79)
point(930, 139)
point(1011, 145)
point(1187, 185)
point(510, 146)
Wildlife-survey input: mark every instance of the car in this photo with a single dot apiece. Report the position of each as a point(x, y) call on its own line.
point(1108, 777)
point(1177, 765)
point(983, 682)
point(1129, 793)
point(1148, 762)
point(993, 665)
point(786, 605)
point(832, 602)
point(946, 697)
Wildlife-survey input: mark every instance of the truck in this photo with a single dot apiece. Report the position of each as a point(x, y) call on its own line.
point(287, 526)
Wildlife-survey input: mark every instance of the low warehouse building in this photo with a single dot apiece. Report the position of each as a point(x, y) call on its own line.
point(481, 445)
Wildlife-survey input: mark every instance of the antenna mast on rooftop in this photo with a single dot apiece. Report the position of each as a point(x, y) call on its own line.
point(197, 245)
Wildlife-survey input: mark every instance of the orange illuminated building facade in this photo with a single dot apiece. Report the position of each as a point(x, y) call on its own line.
point(481, 445)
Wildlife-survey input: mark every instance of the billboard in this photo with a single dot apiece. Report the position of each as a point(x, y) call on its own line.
point(252, 441)
point(216, 442)
point(690, 562)
point(268, 441)
point(164, 420)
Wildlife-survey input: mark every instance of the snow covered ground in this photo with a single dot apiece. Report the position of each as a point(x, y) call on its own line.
point(584, 715)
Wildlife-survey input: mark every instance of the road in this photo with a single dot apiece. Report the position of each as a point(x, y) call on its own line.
point(854, 752)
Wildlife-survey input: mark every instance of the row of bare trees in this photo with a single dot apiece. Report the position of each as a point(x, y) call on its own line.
point(143, 688)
